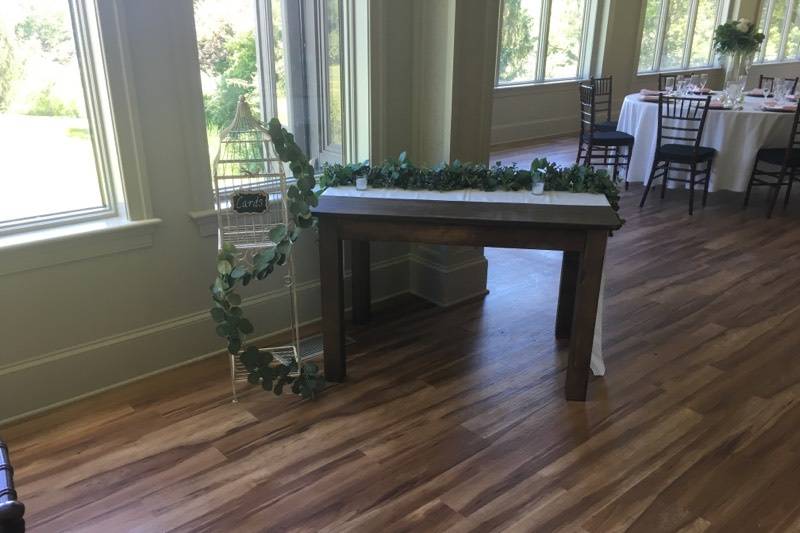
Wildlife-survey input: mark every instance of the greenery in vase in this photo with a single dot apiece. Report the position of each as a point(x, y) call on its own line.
point(737, 36)
point(227, 312)
point(400, 173)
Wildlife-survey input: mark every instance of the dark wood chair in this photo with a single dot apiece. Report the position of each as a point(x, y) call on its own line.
point(680, 123)
point(11, 509)
point(603, 102)
point(595, 145)
point(664, 78)
point(787, 160)
point(768, 83)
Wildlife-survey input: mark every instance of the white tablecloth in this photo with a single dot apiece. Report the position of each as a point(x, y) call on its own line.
point(737, 136)
point(524, 197)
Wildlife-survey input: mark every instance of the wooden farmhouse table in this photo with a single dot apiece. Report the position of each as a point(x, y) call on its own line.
point(580, 231)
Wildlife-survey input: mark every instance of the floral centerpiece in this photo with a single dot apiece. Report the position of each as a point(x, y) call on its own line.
point(737, 42)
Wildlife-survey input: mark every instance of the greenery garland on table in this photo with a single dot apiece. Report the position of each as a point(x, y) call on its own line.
point(402, 174)
point(261, 367)
point(396, 173)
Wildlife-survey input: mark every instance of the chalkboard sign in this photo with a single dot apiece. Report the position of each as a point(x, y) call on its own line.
point(250, 202)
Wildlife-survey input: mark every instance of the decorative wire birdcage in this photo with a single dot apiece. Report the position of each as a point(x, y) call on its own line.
point(247, 169)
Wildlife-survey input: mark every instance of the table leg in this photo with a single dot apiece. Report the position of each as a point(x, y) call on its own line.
point(331, 275)
point(566, 294)
point(361, 283)
point(587, 296)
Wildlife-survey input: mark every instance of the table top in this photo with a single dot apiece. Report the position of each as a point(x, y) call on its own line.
point(752, 104)
point(514, 208)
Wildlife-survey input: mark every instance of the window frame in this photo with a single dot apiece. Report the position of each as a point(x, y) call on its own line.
point(541, 58)
point(88, 39)
point(663, 20)
point(791, 5)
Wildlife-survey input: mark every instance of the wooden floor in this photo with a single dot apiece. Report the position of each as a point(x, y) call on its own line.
point(454, 420)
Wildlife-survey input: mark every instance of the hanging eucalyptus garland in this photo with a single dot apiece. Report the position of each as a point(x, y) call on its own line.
point(227, 312)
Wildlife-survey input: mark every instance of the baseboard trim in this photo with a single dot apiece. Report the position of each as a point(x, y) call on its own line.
point(118, 359)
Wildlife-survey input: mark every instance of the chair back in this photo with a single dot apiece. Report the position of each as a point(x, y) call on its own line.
point(768, 83)
point(603, 94)
point(794, 138)
point(664, 78)
point(681, 120)
point(587, 108)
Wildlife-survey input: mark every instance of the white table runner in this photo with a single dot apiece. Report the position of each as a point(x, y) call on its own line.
point(506, 197)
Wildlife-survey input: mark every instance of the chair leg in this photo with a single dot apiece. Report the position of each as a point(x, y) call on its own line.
point(792, 179)
point(777, 193)
point(664, 180)
point(580, 151)
point(628, 152)
point(707, 183)
point(649, 183)
point(588, 160)
point(750, 184)
point(693, 174)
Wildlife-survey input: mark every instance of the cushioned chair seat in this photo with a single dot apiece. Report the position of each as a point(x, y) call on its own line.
point(610, 138)
point(775, 156)
point(684, 153)
point(609, 125)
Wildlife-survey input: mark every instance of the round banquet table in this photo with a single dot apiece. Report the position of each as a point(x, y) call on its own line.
point(737, 136)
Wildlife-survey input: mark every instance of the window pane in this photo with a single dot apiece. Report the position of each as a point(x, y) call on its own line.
point(279, 49)
point(44, 132)
point(703, 33)
point(226, 48)
point(675, 38)
point(647, 51)
point(793, 42)
point(333, 85)
point(564, 39)
point(519, 44)
point(775, 30)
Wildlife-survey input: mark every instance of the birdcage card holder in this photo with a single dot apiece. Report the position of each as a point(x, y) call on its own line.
point(250, 199)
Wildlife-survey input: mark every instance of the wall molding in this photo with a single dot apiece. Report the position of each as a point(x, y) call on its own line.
point(534, 129)
point(115, 360)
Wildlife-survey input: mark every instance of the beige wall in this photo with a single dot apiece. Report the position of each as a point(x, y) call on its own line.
point(73, 328)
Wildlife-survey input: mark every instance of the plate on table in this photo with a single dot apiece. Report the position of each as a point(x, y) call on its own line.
point(757, 94)
point(779, 108)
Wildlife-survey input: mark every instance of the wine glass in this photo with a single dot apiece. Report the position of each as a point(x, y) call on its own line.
point(694, 83)
point(669, 86)
point(780, 90)
point(703, 81)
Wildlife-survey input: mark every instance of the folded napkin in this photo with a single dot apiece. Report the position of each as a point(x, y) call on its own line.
point(703, 91)
point(775, 107)
point(791, 97)
point(789, 107)
point(716, 104)
point(649, 92)
point(648, 97)
point(756, 92)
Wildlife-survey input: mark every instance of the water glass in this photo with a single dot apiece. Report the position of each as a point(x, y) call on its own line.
point(537, 184)
point(361, 184)
point(703, 81)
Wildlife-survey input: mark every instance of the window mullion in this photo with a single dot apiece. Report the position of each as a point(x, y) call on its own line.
point(265, 62)
point(661, 35)
point(765, 29)
point(690, 27)
point(785, 31)
point(544, 31)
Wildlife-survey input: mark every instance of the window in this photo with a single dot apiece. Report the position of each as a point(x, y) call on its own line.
point(283, 57)
point(56, 130)
point(779, 20)
point(678, 34)
point(542, 40)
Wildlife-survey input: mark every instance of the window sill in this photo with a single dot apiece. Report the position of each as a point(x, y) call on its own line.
point(655, 73)
point(74, 242)
point(542, 87)
point(206, 222)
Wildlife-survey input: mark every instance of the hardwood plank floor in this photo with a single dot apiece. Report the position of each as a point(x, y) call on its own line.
point(454, 419)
